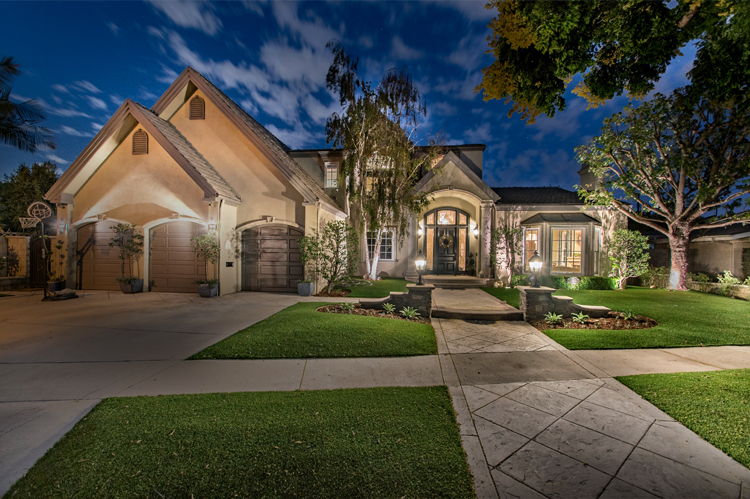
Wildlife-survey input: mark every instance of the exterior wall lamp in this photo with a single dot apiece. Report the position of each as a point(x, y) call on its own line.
point(62, 225)
point(535, 265)
point(421, 264)
point(476, 233)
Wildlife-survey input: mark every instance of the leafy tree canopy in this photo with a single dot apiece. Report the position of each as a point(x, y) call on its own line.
point(21, 188)
point(622, 46)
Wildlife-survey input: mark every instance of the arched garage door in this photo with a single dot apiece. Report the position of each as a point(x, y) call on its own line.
point(98, 264)
point(172, 262)
point(270, 259)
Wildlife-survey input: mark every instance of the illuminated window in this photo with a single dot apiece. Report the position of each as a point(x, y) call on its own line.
point(530, 245)
point(332, 175)
point(431, 219)
point(386, 244)
point(566, 250)
point(446, 217)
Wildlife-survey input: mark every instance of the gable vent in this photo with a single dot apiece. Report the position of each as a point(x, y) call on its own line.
point(140, 142)
point(197, 108)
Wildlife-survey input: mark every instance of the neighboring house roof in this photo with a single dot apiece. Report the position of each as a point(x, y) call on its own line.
point(117, 128)
point(196, 160)
point(451, 157)
point(567, 218)
point(536, 195)
point(739, 230)
point(275, 150)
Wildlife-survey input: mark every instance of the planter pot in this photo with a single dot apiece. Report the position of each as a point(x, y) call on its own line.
point(130, 288)
point(208, 290)
point(55, 286)
point(306, 288)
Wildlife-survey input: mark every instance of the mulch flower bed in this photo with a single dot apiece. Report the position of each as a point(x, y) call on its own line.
point(371, 312)
point(616, 320)
point(335, 293)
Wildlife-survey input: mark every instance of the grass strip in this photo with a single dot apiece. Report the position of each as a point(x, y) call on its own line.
point(300, 331)
point(508, 295)
point(375, 442)
point(379, 289)
point(714, 405)
point(686, 319)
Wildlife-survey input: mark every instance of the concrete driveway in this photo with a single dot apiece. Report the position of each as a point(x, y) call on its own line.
point(58, 359)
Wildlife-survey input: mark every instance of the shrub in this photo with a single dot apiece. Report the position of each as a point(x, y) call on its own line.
point(702, 280)
point(626, 253)
point(727, 280)
point(597, 283)
point(520, 280)
point(656, 277)
point(347, 306)
point(628, 315)
point(389, 308)
point(580, 318)
point(553, 318)
point(409, 312)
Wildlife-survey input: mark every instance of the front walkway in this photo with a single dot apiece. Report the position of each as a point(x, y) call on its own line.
point(536, 419)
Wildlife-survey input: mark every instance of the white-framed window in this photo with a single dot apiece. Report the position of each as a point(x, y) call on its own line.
point(332, 175)
point(530, 245)
point(386, 244)
point(567, 250)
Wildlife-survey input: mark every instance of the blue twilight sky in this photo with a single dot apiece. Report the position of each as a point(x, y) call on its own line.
point(81, 60)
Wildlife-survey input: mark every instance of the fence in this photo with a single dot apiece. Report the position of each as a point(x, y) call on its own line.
point(15, 255)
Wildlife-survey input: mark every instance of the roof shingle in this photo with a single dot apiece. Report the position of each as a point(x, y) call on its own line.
point(536, 195)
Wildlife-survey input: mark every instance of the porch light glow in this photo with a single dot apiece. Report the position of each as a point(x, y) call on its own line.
point(421, 264)
point(535, 265)
point(475, 232)
point(61, 226)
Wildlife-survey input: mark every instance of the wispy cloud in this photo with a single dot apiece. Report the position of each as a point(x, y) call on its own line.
point(462, 89)
point(312, 30)
point(366, 41)
point(401, 51)
point(60, 88)
point(472, 10)
point(96, 103)
point(113, 28)
point(68, 113)
point(296, 138)
point(562, 125)
point(146, 95)
point(470, 52)
point(443, 108)
point(96, 126)
point(190, 14)
point(87, 86)
point(480, 133)
point(116, 100)
point(72, 131)
point(168, 75)
point(56, 159)
point(254, 6)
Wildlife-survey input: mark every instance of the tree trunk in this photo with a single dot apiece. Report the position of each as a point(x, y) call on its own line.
point(372, 264)
point(678, 245)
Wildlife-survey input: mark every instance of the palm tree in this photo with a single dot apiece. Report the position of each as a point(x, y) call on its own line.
point(19, 121)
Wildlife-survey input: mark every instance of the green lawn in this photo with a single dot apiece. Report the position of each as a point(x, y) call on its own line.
point(685, 319)
point(379, 289)
point(375, 442)
point(508, 295)
point(715, 405)
point(301, 332)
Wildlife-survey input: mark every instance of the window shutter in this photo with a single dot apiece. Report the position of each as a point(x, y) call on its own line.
point(140, 142)
point(197, 108)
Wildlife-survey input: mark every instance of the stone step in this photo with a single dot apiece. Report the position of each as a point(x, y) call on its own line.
point(504, 313)
point(451, 282)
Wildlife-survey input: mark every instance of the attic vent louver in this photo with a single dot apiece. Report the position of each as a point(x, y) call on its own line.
point(140, 142)
point(197, 108)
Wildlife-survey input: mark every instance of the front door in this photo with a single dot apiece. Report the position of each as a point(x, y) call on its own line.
point(445, 251)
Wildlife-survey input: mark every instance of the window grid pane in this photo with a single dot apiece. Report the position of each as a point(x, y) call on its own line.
point(386, 245)
point(566, 251)
point(332, 176)
point(531, 244)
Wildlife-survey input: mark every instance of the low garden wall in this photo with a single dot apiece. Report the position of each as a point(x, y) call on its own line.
point(736, 291)
point(10, 283)
point(416, 296)
point(535, 303)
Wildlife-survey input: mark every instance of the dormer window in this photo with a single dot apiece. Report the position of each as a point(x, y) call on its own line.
point(332, 175)
point(197, 108)
point(140, 142)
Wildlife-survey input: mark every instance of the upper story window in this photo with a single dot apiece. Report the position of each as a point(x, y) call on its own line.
point(332, 175)
point(197, 108)
point(140, 142)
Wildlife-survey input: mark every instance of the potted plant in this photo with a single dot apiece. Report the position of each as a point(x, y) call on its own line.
point(56, 279)
point(129, 242)
point(309, 249)
point(207, 248)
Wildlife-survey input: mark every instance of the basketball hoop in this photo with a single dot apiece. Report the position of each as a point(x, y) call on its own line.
point(27, 223)
point(39, 210)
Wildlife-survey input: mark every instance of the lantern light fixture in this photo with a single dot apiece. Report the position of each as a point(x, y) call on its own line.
point(535, 265)
point(421, 264)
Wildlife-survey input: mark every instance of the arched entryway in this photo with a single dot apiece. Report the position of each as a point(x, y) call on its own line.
point(446, 241)
point(270, 258)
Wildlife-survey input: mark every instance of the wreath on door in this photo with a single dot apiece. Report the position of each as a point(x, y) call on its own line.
point(446, 241)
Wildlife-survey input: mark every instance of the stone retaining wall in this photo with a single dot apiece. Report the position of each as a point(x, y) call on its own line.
point(419, 297)
point(738, 291)
point(535, 303)
point(10, 283)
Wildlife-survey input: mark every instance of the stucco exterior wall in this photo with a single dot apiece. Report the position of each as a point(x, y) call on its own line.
point(708, 257)
point(263, 189)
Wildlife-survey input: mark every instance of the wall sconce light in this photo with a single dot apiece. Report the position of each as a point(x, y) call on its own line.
point(419, 232)
point(213, 226)
point(476, 233)
point(62, 225)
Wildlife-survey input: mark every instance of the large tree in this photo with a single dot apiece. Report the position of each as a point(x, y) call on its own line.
point(21, 188)
point(377, 130)
point(623, 46)
point(686, 164)
point(19, 121)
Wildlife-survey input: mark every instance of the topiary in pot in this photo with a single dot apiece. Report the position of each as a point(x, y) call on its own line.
point(207, 248)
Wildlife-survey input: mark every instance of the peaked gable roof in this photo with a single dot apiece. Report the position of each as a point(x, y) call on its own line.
point(264, 140)
point(166, 135)
point(451, 157)
point(536, 195)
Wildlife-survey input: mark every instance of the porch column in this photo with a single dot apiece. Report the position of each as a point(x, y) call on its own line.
point(485, 229)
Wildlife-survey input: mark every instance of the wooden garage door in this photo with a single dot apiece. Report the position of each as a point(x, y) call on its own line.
point(98, 264)
point(172, 262)
point(270, 259)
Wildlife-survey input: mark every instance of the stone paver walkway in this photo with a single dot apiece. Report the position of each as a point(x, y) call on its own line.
point(545, 423)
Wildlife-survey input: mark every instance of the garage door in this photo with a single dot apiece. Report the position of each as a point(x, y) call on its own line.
point(98, 264)
point(270, 259)
point(172, 262)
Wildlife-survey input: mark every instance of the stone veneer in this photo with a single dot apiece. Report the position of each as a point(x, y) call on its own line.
point(535, 303)
point(416, 296)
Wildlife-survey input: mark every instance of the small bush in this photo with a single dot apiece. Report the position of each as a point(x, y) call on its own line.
point(656, 277)
point(597, 283)
point(702, 280)
point(727, 280)
point(347, 307)
point(553, 318)
point(520, 280)
point(409, 312)
point(580, 318)
point(389, 308)
point(628, 315)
